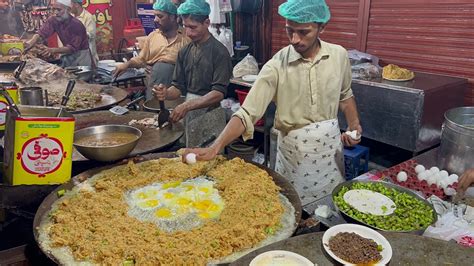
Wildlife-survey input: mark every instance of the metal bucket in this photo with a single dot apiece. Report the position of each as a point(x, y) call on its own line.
point(457, 140)
point(33, 96)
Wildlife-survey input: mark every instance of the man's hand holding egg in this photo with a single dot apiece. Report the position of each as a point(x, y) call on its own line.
point(352, 137)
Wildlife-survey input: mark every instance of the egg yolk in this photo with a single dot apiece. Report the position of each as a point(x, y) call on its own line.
point(163, 213)
point(213, 208)
point(171, 184)
point(204, 215)
point(204, 190)
point(188, 187)
point(183, 201)
point(148, 203)
point(141, 195)
point(168, 195)
point(202, 205)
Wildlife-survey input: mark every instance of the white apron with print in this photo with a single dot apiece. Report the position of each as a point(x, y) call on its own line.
point(311, 158)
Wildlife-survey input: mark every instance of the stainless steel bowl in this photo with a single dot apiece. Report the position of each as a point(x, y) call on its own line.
point(106, 153)
point(389, 185)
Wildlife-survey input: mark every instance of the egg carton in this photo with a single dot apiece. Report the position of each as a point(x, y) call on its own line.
point(412, 181)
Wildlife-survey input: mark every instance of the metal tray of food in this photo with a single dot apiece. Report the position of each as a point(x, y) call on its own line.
point(389, 185)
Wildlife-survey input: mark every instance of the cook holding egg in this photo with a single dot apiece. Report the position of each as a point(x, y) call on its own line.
point(466, 181)
point(310, 81)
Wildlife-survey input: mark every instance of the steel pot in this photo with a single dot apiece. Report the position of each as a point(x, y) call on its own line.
point(457, 140)
point(33, 96)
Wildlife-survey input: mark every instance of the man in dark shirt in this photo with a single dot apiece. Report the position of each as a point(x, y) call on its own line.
point(71, 32)
point(203, 68)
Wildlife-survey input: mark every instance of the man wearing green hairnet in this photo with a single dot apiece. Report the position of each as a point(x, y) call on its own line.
point(160, 48)
point(309, 81)
point(202, 74)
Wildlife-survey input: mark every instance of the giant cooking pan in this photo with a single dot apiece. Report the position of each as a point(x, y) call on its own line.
point(110, 95)
point(152, 140)
point(286, 189)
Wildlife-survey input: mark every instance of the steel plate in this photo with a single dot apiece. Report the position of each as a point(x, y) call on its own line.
point(390, 185)
point(286, 189)
point(153, 139)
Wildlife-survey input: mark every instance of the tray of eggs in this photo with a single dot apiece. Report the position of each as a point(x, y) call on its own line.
point(415, 176)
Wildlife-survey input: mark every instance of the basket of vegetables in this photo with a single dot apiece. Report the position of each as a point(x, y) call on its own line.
point(383, 206)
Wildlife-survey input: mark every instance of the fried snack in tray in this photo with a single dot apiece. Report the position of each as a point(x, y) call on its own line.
point(394, 72)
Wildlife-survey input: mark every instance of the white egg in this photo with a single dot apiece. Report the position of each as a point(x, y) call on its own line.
point(419, 168)
point(449, 191)
point(423, 175)
point(450, 181)
point(402, 176)
point(434, 169)
point(431, 180)
point(438, 178)
point(443, 184)
point(443, 174)
point(454, 177)
point(191, 158)
point(353, 134)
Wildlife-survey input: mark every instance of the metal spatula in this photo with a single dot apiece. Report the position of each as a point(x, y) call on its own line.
point(164, 115)
point(69, 88)
point(120, 110)
point(20, 68)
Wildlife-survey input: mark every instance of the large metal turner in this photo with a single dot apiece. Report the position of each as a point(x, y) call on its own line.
point(164, 115)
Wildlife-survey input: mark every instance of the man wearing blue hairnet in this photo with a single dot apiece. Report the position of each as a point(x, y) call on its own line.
point(309, 81)
point(161, 47)
point(202, 74)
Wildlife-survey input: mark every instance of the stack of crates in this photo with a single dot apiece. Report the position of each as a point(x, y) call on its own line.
point(356, 161)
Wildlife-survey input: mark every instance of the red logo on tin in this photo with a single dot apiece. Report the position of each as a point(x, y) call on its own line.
point(42, 155)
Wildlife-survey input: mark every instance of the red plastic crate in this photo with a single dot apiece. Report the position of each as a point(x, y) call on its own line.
point(241, 95)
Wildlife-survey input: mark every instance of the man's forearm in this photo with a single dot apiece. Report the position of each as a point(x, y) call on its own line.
point(62, 50)
point(210, 99)
point(233, 130)
point(349, 108)
point(35, 39)
point(135, 62)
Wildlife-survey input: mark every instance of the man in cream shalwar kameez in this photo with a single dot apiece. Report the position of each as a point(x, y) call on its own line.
point(309, 81)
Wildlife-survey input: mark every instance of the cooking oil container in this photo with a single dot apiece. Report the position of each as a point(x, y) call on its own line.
point(38, 146)
point(457, 140)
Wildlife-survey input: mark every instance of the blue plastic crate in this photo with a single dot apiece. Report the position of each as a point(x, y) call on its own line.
point(356, 161)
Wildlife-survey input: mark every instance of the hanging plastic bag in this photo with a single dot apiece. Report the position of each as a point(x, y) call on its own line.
point(225, 37)
point(225, 6)
point(247, 66)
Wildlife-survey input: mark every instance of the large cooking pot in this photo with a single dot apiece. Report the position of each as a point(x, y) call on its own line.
point(457, 140)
